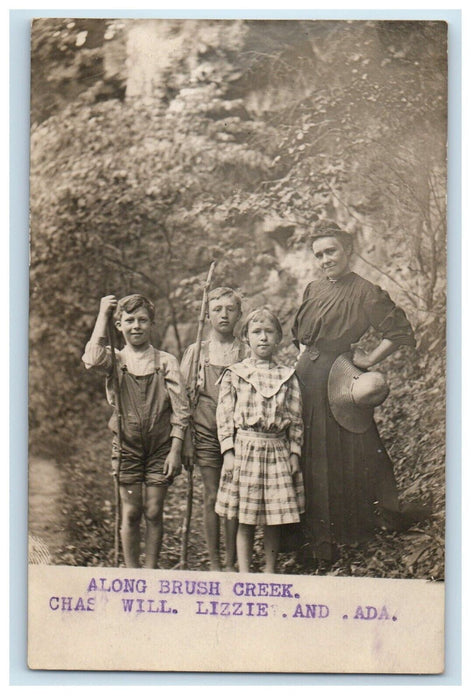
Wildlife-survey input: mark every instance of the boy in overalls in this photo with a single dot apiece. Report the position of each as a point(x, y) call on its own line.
point(218, 352)
point(155, 416)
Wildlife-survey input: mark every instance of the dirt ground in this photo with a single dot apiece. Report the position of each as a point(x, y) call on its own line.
point(45, 494)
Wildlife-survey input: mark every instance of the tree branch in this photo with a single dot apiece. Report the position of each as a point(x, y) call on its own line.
point(122, 265)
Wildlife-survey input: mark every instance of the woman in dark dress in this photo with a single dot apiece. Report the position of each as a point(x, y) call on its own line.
point(348, 477)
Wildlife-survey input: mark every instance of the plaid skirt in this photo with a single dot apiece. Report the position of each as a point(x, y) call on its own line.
point(261, 490)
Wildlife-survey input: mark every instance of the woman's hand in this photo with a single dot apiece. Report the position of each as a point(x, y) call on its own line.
point(361, 359)
point(228, 464)
point(294, 464)
point(364, 360)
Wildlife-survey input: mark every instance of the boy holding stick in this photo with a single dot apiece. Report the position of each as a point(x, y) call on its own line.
point(154, 418)
point(202, 446)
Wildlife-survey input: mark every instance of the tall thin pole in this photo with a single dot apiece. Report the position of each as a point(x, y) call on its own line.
point(119, 437)
point(193, 399)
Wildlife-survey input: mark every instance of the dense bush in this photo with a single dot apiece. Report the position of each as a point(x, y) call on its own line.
point(252, 134)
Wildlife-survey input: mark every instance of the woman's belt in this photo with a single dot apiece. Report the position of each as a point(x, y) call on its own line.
point(313, 352)
point(260, 434)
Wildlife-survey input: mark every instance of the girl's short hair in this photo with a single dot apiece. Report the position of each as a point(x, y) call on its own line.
point(263, 312)
point(219, 292)
point(133, 302)
point(330, 229)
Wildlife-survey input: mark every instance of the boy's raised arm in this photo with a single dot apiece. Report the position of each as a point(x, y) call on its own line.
point(96, 353)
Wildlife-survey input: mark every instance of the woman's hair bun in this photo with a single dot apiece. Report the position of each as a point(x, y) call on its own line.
point(325, 228)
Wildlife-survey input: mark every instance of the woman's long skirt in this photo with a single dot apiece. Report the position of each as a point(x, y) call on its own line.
point(349, 480)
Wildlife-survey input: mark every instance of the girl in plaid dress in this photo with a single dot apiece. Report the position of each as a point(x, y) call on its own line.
point(260, 430)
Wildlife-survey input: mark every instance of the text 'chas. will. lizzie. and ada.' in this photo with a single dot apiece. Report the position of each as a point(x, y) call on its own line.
point(211, 597)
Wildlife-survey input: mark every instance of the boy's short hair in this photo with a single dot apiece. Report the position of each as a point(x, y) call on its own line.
point(257, 315)
point(219, 292)
point(133, 302)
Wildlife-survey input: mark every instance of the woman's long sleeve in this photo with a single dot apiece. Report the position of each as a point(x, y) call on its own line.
point(387, 318)
point(294, 409)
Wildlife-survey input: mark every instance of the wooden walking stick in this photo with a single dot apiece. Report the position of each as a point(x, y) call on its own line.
point(119, 437)
point(193, 396)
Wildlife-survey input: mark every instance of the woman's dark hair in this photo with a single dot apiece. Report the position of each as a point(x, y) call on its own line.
point(329, 229)
point(257, 315)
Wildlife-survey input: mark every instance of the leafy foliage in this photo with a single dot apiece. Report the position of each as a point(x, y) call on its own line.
point(68, 61)
point(253, 131)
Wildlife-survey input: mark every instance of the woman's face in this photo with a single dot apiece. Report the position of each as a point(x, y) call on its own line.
point(331, 257)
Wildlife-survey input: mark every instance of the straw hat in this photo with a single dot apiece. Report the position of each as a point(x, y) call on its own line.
point(353, 394)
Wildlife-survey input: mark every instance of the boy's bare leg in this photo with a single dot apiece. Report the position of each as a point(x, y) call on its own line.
point(271, 544)
point(211, 522)
point(230, 532)
point(131, 504)
point(245, 538)
point(154, 514)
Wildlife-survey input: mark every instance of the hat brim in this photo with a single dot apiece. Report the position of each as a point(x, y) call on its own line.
point(342, 375)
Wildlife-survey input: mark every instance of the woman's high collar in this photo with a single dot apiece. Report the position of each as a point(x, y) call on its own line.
point(343, 278)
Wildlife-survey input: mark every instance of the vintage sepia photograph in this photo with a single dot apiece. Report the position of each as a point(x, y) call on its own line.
point(237, 316)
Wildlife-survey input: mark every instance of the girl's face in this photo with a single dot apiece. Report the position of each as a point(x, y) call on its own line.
point(331, 257)
point(263, 338)
point(135, 327)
